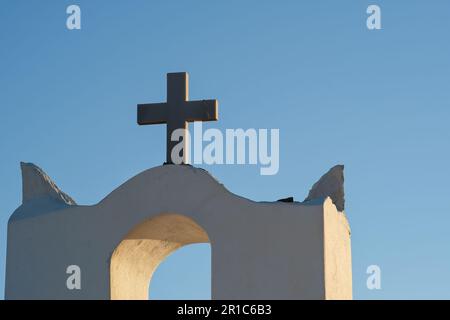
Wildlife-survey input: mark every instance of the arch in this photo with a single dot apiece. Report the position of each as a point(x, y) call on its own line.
point(251, 242)
point(186, 274)
point(137, 256)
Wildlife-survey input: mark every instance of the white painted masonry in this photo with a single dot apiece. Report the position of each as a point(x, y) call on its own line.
point(260, 250)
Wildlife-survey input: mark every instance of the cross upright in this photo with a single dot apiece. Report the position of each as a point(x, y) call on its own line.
point(177, 112)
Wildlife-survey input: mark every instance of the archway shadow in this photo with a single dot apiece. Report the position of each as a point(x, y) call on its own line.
point(139, 254)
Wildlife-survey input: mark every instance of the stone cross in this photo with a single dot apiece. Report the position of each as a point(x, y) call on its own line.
point(177, 112)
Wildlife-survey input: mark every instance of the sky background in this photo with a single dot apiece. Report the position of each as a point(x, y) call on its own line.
point(376, 101)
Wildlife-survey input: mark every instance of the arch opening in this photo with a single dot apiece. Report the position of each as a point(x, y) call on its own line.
point(184, 275)
point(139, 254)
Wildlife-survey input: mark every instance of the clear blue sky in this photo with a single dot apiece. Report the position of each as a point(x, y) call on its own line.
point(376, 101)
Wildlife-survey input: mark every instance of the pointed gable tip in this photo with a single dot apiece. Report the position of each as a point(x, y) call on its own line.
point(37, 184)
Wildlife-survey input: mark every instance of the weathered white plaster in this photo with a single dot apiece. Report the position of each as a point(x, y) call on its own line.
point(260, 250)
point(331, 184)
point(36, 184)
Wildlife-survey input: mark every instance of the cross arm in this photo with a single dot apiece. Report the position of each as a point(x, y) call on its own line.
point(152, 113)
point(202, 110)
